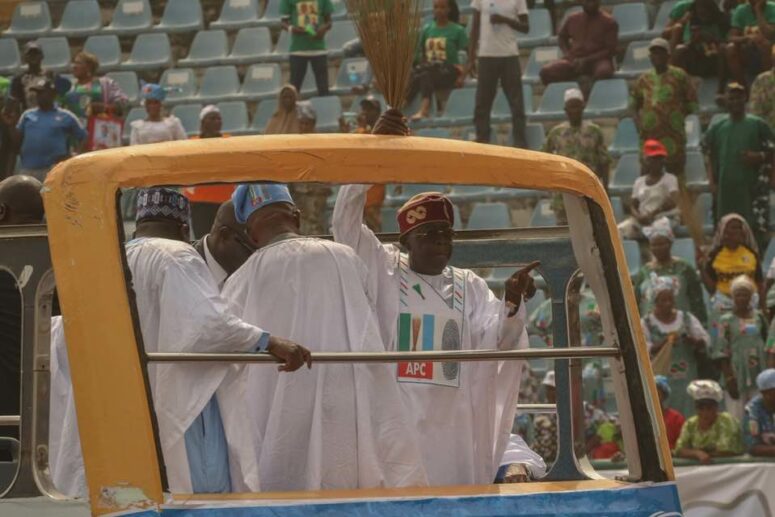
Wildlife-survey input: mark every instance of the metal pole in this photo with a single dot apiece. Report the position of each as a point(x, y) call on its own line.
point(536, 408)
point(392, 357)
point(10, 419)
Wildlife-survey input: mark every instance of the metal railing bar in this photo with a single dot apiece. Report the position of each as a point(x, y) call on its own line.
point(536, 408)
point(10, 419)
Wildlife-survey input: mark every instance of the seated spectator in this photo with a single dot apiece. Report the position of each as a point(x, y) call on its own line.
point(602, 433)
point(769, 291)
point(673, 419)
point(90, 95)
point(438, 66)
point(663, 263)
point(545, 424)
point(759, 418)
point(676, 340)
point(697, 31)
point(588, 41)
point(155, 127)
point(308, 118)
point(578, 139)
point(740, 150)
point(21, 84)
point(710, 433)
point(762, 98)
point(285, 119)
point(654, 194)
point(750, 39)
point(734, 252)
point(661, 99)
point(9, 117)
point(45, 133)
point(371, 109)
point(740, 346)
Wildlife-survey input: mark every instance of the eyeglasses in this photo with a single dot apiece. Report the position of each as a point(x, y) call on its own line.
point(242, 237)
point(447, 234)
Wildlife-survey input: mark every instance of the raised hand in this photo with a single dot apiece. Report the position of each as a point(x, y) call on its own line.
point(520, 285)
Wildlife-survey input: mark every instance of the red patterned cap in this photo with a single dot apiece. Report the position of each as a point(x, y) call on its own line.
point(428, 207)
point(654, 148)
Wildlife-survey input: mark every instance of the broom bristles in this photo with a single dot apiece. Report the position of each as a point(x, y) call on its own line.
point(388, 30)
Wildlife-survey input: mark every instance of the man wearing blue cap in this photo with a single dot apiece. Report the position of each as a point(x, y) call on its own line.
point(338, 425)
point(759, 417)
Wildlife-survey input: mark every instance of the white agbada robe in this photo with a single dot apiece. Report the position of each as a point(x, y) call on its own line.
point(335, 425)
point(465, 426)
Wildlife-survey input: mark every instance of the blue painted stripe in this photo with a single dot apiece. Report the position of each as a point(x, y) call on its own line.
point(428, 327)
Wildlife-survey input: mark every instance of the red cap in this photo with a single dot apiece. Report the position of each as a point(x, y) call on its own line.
point(429, 207)
point(654, 148)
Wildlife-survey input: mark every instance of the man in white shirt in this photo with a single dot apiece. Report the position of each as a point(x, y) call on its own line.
point(494, 41)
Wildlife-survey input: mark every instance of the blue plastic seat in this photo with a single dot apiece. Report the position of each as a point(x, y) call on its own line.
point(56, 53)
point(618, 208)
point(219, 83)
point(662, 18)
point(30, 19)
point(696, 172)
point(540, 32)
point(685, 249)
point(189, 117)
point(329, 110)
point(264, 112)
point(341, 32)
point(107, 49)
point(80, 18)
point(282, 49)
point(535, 135)
point(181, 84)
point(539, 57)
point(706, 95)
point(236, 14)
point(693, 132)
point(489, 216)
point(552, 104)
point(136, 113)
point(769, 254)
point(459, 109)
point(609, 98)
point(252, 45)
point(352, 72)
point(271, 15)
point(308, 86)
point(262, 82)
point(340, 10)
point(626, 139)
point(543, 215)
point(433, 132)
point(150, 51)
point(128, 83)
point(181, 16)
point(703, 211)
point(627, 171)
point(389, 222)
point(208, 48)
point(235, 117)
point(10, 58)
point(632, 254)
point(636, 60)
point(130, 17)
point(471, 193)
point(633, 21)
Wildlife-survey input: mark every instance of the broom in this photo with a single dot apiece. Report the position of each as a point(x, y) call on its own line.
point(389, 31)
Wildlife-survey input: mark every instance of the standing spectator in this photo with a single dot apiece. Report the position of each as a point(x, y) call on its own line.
point(545, 425)
point(673, 419)
point(750, 39)
point(9, 117)
point(21, 85)
point(308, 21)
point(654, 194)
point(438, 65)
point(762, 98)
point(578, 139)
point(661, 99)
point(739, 346)
point(310, 198)
point(285, 119)
point(494, 41)
point(676, 340)
point(709, 433)
point(740, 150)
point(155, 127)
point(44, 133)
point(92, 95)
point(663, 263)
point(588, 41)
point(759, 418)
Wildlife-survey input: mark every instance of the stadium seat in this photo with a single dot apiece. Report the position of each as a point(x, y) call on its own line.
point(662, 18)
point(609, 98)
point(80, 18)
point(706, 94)
point(252, 45)
point(130, 17)
point(703, 209)
point(633, 21)
point(433, 132)
point(136, 113)
point(618, 208)
point(219, 83)
point(280, 52)
point(262, 82)
point(389, 222)
point(107, 49)
point(128, 83)
point(308, 86)
point(56, 53)
point(695, 172)
point(189, 117)
point(30, 19)
point(150, 51)
point(769, 254)
point(489, 216)
point(208, 48)
point(237, 14)
point(235, 117)
point(539, 56)
point(10, 58)
point(685, 249)
point(181, 84)
point(341, 32)
point(329, 110)
point(181, 16)
point(552, 104)
point(340, 10)
point(627, 171)
point(636, 60)
point(535, 135)
point(540, 32)
point(264, 112)
point(543, 215)
point(626, 139)
point(459, 109)
point(632, 254)
point(693, 132)
point(471, 193)
point(352, 72)
point(271, 16)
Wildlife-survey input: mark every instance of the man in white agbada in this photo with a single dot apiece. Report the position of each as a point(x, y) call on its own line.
point(337, 425)
point(463, 411)
point(179, 310)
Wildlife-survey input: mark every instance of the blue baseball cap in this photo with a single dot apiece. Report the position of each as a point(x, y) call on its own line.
point(249, 197)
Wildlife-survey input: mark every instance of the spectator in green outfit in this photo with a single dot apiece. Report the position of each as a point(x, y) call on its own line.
point(710, 433)
point(308, 21)
point(750, 39)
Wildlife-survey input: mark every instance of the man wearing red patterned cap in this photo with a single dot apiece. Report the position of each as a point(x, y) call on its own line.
point(463, 411)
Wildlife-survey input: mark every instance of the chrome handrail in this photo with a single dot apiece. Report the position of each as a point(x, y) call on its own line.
point(10, 419)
